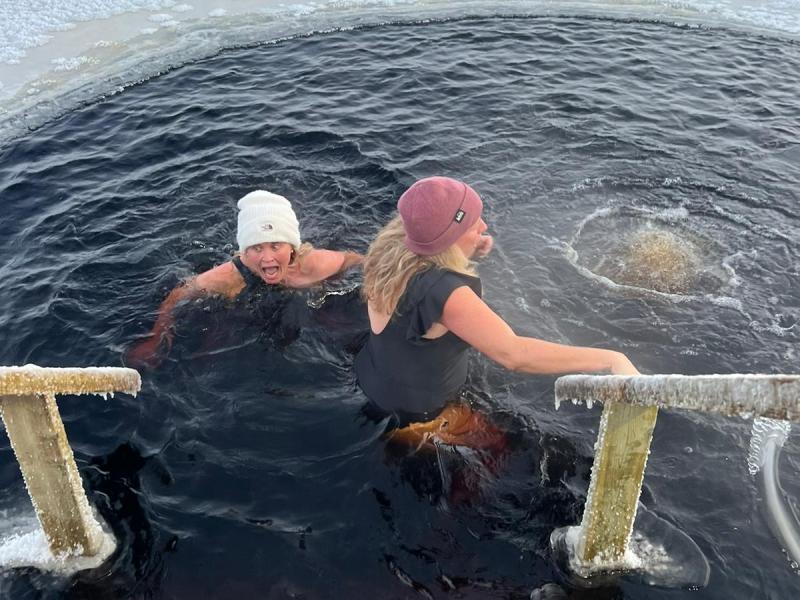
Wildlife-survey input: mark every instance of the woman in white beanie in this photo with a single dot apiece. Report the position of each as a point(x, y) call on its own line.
point(270, 252)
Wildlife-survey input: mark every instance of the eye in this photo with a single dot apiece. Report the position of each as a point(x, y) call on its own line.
point(256, 248)
point(275, 246)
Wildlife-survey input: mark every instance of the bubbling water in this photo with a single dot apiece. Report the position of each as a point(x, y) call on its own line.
point(660, 260)
point(653, 252)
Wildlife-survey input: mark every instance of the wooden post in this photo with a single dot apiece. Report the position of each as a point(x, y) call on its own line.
point(616, 484)
point(51, 476)
point(631, 405)
point(30, 414)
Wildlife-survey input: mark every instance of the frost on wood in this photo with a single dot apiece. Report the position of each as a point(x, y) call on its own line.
point(30, 379)
point(48, 467)
point(773, 396)
point(30, 415)
point(621, 452)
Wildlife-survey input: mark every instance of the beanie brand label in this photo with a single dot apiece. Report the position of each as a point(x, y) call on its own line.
point(460, 214)
point(266, 227)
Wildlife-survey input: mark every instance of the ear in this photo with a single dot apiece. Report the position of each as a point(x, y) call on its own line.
point(292, 256)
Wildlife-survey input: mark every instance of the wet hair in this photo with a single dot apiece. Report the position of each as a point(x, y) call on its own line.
point(389, 265)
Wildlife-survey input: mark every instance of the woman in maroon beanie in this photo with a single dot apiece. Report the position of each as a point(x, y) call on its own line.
point(425, 311)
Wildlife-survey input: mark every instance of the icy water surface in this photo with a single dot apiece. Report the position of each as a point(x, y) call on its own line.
point(246, 468)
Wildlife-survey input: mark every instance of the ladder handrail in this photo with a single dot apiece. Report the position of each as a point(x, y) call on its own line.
point(744, 395)
point(32, 379)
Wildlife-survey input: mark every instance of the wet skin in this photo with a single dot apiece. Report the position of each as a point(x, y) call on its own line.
point(269, 260)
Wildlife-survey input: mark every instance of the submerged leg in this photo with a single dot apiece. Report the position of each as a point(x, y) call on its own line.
point(457, 425)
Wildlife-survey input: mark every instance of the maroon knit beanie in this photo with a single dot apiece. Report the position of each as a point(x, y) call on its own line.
point(436, 211)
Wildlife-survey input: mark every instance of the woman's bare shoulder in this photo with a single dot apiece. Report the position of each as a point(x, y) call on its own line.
point(223, 279)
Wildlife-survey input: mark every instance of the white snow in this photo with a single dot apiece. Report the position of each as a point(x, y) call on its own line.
point(33, 33)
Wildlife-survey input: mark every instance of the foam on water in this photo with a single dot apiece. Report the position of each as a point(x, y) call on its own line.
point(693, 251)
point(28, 548)
point(658, 553)
point(656, 251)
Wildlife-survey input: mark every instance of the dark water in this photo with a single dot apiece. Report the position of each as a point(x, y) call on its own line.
point(246, 468)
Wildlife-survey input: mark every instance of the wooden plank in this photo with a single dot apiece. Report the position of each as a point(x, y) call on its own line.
point(623, 445)
point(30, 414)
point(773, 396)
point(30, 379)
point(631, 405)
point(48, 466)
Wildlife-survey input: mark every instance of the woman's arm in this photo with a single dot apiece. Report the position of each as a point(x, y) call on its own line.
point(146, 353)
point(319, 265)
point(222, 280)
point(471, 319)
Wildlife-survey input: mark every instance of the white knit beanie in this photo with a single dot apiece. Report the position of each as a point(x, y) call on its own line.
point(266, 217)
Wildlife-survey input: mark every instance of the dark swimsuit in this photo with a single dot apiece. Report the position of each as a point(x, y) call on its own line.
point(406, 374)
point(275, 309)
point(272, 315)
point(250, 278)
point(282, 312)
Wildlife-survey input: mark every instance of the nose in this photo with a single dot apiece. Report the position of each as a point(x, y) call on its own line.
point(268, 255)
point(483, 226)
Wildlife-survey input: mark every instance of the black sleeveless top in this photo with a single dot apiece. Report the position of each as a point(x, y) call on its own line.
point(403, 372)
point(251, 280)
point(278, 312)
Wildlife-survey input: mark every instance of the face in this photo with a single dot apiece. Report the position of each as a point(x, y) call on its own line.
point(471, 239)
point(269, 260)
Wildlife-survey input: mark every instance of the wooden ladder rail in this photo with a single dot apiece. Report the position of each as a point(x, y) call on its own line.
point(630, 408)
point(32, 421)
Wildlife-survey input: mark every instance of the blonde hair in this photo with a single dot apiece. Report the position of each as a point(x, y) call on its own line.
point(389, 266)
point(303, 251)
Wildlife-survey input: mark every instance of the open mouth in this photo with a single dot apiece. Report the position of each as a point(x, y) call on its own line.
point(270, 272)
